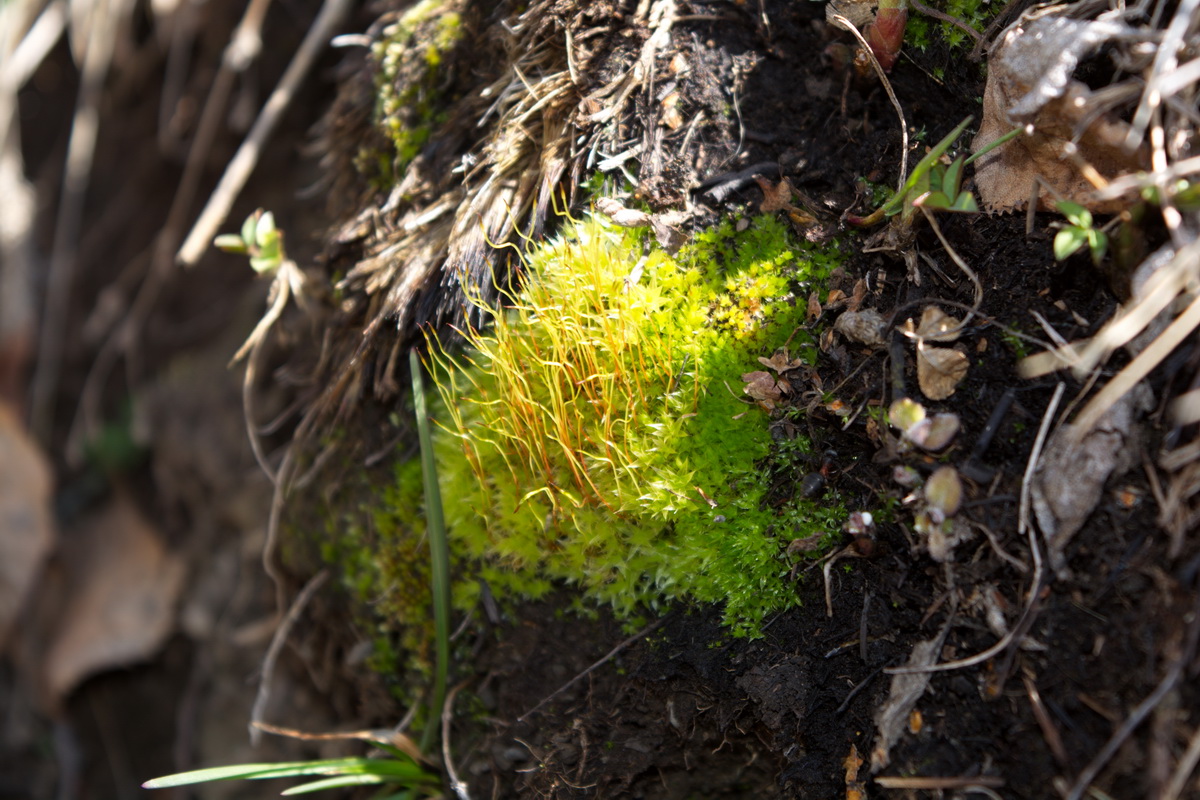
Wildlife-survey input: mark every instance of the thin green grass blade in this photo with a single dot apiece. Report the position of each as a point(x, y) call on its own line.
point(289, 769)
point(339, 782)
point(1014, 133)
point(896, 204)
point(439, 552)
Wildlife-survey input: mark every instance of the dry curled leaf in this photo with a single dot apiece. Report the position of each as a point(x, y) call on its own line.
point(776, 196)
point(1030, 84)
point(940, 370)
point(865, 327)
point(26, 521)
point(779, 361)
point(937, 326)
point(764, 388)
point(122, 586)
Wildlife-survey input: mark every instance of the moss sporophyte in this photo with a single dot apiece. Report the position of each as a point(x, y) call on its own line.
point(592, 434)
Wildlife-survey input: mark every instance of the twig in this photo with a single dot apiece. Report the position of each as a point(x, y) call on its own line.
point(1122, 733)
point(1139, 714)
point(459, 787)
point(239, 168)
point(1049, 732)
point(949, 782)
point(857, 688)
point(276, 647)
point(282, 485)
point(891, 93)
point(105, 18)
point(1183, 770)
point(611, 654)
point(37, 42)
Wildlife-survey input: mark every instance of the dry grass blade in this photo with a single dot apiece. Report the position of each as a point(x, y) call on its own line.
point(1124, 381)
point(891, 93)
point(275, 648)
point(106, 20)
point(237, 172)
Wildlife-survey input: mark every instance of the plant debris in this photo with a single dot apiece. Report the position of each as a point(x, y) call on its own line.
point(1074, 144)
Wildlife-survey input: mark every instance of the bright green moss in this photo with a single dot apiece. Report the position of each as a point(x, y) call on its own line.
point(597, 433)
point(382, 557)
point(920, 29)
point(408, 58)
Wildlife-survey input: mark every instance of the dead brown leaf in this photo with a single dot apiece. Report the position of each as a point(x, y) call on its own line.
point(776, 196)
point(26, 523)
point(814, 306)
point(934, 325)
point(122, 585)
point(865, 327)
point(765, 389)
point(940, 370)
point(857, 295)
point(1029, 83)
point(1072, 473)
point(780, 362)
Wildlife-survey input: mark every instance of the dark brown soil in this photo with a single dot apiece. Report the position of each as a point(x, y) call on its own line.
point(686, 710)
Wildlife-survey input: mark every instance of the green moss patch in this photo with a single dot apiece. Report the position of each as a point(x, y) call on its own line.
point(920, 29)
point(597, 433)
point(409, 58)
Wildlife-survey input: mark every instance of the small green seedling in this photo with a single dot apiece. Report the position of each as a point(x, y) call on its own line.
point(259, 239)
point(1079, 231)
point(395, 771)
point(932, 184)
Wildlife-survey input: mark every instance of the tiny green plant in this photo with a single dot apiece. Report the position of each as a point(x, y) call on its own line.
point(396, 772)
point(1079, 232)
point(259, 239)
point(932, 184)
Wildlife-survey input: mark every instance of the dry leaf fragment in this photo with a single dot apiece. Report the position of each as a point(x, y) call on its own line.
point(855, 789)
point(940, 370)
point(1029, 83)
point(891, 720)
point(865, 327)
point(671, 116)
point(934, 325)
point(1071, 474)
point(26, 522)
point(857, 295)
point(814, 306)
point(779, 361)
point(860, 13)
point(663, 225)
point(764, 388)
point(122, 588)
point(615, 210)
point(776, 196)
